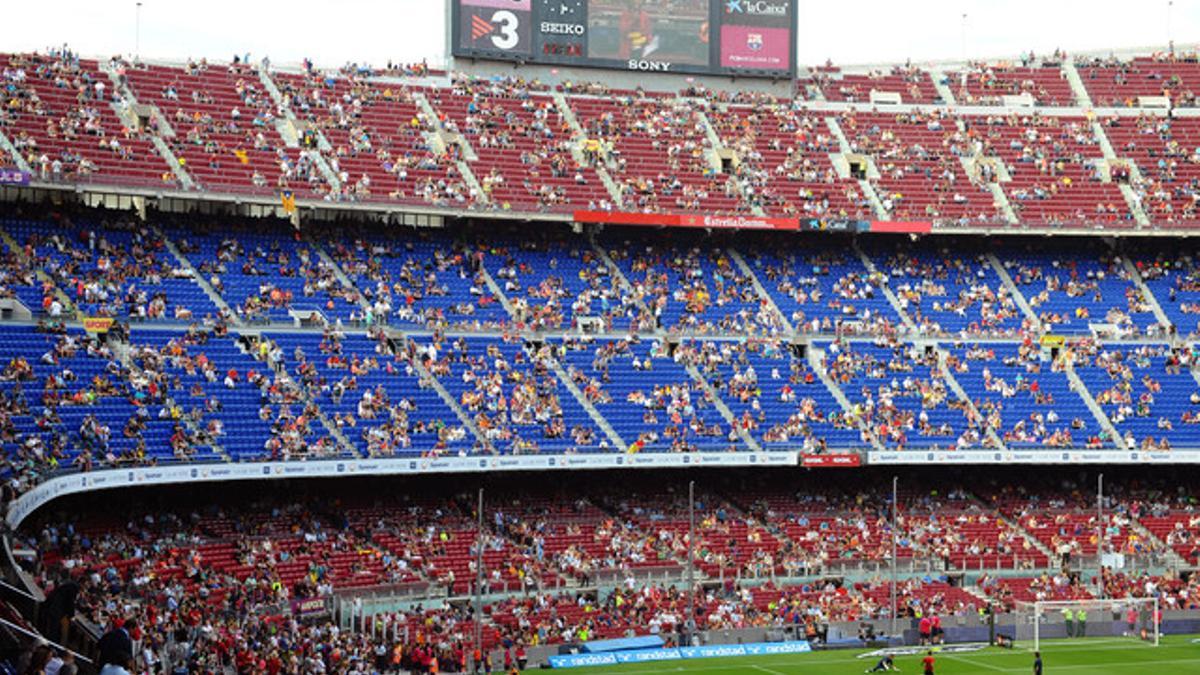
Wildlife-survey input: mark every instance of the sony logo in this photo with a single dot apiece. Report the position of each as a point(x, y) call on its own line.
point(655, 66)
point(551, 28)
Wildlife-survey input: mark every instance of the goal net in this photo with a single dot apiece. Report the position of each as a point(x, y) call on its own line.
point(1118, 618)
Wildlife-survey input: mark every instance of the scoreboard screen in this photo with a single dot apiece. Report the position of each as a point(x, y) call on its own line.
point(718, 37)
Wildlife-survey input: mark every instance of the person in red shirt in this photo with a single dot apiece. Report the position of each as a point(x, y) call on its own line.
point(924, 628)
point(927, 662)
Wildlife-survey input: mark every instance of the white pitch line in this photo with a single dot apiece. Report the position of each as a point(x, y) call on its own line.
point(766, 670)
point(977, 664)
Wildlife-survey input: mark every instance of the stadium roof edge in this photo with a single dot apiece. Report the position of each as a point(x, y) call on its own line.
point(848, 68)
point(954, 63)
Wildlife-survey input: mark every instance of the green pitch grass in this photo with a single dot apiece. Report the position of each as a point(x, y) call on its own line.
point(1177, 655)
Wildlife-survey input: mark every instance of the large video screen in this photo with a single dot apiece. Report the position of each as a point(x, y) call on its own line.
point(737, 37)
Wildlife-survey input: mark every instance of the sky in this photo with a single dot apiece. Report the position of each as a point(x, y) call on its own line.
point(341, 31)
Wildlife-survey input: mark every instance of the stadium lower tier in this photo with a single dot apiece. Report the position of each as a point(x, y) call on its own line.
point(355, 564)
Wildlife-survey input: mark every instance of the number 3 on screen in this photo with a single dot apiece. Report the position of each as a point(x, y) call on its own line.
point(508, 38)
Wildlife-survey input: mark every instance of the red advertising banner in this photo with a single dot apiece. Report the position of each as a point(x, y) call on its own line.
point(739, 222)
point(902, 226)
point(624, 218)
point(686, 220)
point(825, 461)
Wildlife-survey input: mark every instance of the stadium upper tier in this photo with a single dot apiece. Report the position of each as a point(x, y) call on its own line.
point(1042, 143)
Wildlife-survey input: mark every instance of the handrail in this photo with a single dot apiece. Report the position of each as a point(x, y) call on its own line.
point(43, 640)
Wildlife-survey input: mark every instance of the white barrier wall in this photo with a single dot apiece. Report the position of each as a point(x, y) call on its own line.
point(107, 479)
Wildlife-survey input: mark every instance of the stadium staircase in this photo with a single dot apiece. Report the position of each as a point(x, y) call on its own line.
point(578, 138)
point(198, 278)
point(864, 184)
point(1135, 175)
point(1172, 559)
point(812, 92)
point(1082, 98)
point(280, 369)
point(7, 146)
point(424, 376)
point(614, 438)
point(339, 273)
point(763, 295)
point(442, 137)
point(972, 167)
point(715, 397)
point(816, 361)
point(1017, 527)
point(1102, 419)
point(615, 270)
point(125, 112)
point(1017, 296)
point(948, 375)
point(42, 276)
point(499, 293)
point(677, 558)
point(885, 286)
point(1002, 203)
point(717, 149)
point(1136, 278)
point(939, 83)
point(977, 592)
point(124, 351)
point(315, 155)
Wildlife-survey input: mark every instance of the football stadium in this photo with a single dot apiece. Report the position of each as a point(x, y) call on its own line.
point(609, 336)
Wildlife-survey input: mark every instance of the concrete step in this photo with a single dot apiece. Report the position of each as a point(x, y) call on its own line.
point(618, 444)
point(323, 145)
point(428, 380)
point(761, 290)
point(816, 361)
point(11, 150)
point(1017, 296)
point(952, 382)
point(885, 285)
point(1136, 277)
point(68, 305)
point(280, 368)
point(579, 136)
point(1082, 98)
point(1102, 419)
point(124, 111)
point(719, 404)
point(234, 317)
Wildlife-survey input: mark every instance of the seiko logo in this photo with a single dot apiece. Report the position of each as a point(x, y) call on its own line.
point(756, 7)
point(551, 28)
point(655, 66)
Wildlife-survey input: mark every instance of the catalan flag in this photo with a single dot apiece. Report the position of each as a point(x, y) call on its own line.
point(288, 199)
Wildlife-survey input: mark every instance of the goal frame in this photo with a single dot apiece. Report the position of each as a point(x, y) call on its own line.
point(1036, 610)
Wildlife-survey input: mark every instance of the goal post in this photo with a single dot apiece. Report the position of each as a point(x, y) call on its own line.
point(1131, 618)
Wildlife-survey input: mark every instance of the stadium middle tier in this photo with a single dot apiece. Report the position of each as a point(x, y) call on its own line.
point(184, 338)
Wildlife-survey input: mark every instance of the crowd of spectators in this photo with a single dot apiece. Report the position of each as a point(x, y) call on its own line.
point(256, 585)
